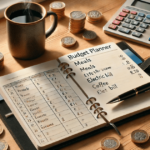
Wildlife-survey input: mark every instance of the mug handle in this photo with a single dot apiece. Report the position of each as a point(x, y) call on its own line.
point(54, 25)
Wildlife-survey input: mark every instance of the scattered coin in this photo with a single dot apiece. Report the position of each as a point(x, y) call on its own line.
point(68, 41)
point(77, 21)
point(3, 145)
point(1, 129)
point(94, 16)
point(1, 61)
point(139, 136)
point(59, 8)
point(89, 35)
point(110, 143)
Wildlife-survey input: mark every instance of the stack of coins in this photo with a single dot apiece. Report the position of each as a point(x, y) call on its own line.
point(94, 16)
point(68, 41)
point(3, 145)
point(59, 8)
point(1, 61)
point(110, 143)
point(89, 35)
point(77, 21)
point(139, 136)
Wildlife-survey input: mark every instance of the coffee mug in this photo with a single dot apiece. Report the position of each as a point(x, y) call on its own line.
point(27, 40)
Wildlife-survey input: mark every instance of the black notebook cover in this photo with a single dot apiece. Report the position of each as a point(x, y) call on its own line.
point(24, 142)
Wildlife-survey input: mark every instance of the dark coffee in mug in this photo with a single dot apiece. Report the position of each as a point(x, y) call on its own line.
point(25, 16)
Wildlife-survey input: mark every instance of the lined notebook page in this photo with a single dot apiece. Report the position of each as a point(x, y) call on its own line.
point(45, 104)
point(105, 72)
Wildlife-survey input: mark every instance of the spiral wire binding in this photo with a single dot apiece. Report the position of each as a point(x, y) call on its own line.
point(92, 100)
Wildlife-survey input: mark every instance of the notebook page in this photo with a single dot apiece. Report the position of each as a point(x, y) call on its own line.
point(105, 72)
point(45, 104)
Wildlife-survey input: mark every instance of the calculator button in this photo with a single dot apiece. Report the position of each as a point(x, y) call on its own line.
point(127, 20)
point(116, 22)
point(128, 26)
point(143, 25)
point(119, 18)
point(141, 14)
point(137, 18)
point(148, 16)
point(123, 14)
point(125, 10)
point(124, 30)
point(137, 34)
point(131, 26)
point(133, 12)
point(140, 29)
point(112, 26)
point(134, 22)
point(125, 25)
point(146, 21)
point(131, 17)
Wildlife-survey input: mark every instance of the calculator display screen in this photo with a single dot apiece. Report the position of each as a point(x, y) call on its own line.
point(141, 4)
point(135, 58)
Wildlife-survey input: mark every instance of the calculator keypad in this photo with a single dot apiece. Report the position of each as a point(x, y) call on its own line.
point(131, 22)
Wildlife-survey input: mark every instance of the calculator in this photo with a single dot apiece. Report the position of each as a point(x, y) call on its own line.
point(131, 22)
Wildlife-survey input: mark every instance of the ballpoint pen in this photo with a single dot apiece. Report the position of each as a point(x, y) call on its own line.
point(134, 92)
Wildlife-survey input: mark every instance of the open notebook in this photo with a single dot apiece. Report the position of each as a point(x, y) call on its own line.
point(62, 99)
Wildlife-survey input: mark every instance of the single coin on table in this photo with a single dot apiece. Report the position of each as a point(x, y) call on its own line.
point(89, 35)
point(1, 129)
point(110, 143)
point(68, 41)
point(3, 145)
point(139, 136)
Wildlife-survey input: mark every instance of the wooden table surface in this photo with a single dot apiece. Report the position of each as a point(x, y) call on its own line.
point(55, 50)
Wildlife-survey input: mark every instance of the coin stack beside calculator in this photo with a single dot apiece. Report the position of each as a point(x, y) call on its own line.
point(94, 16)
point(77, 21)
point(59, 8)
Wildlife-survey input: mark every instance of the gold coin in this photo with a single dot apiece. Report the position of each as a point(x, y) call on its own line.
point(68, 41)
point(1, 129)
point(110, 143)
point(139, 136)
point(89, 35)
point(3, 145)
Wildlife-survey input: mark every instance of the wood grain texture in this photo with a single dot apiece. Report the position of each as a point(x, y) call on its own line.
point(55, 50)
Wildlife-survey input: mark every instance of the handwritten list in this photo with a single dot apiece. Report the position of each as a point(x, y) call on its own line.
point(49, 106)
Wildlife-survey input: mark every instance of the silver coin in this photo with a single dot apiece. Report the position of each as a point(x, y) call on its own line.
point(3, 145)
point(89, 34)
point(110, 143)
point(77, 15)
point(68, 40)
point(140, 136)
point(94, 14)
point(57, 5)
